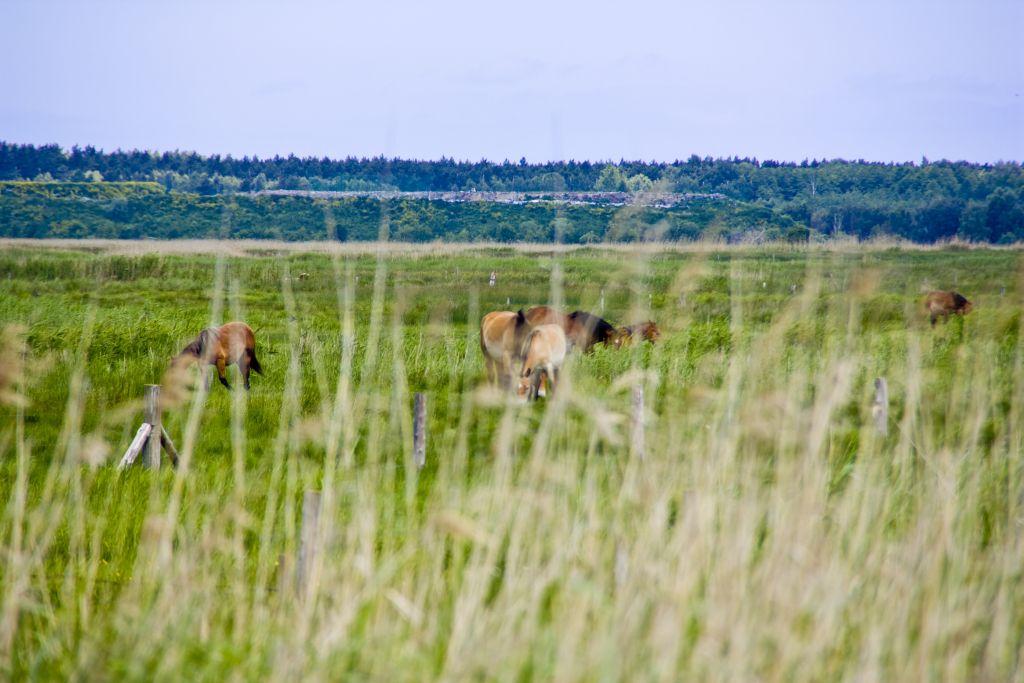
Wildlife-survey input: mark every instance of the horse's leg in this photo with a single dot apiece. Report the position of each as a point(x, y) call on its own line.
point(492, 370)
point(509, 374)
point(220, 373)
point(243, 367)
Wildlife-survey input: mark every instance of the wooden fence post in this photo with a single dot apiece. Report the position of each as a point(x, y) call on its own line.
point(880, 408)
point(419, 431)
point(307, 541)
point(151, 436)
point(638, 421)
point(151, 416)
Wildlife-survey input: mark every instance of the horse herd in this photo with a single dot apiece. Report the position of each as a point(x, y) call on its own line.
point(533, 345)
point(520, 348)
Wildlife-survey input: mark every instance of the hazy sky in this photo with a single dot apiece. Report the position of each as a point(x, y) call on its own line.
point(888, 80)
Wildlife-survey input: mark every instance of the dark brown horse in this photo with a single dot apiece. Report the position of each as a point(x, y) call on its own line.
point(945, 304)
point(586, 329)
point(583, 329)
point(231, 343)
point(646, 331)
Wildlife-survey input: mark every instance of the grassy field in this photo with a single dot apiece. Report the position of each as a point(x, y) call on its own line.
point(765, 531)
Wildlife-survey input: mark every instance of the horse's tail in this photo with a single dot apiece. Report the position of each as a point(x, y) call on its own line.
point(254, 363)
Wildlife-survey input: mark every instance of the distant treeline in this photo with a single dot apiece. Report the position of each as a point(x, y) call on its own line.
point(139, 210)
point(924, 201)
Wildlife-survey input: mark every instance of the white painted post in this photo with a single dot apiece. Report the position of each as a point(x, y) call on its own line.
point(638, 421)
point(419, 431)
point(307, 540)
point(880, 408)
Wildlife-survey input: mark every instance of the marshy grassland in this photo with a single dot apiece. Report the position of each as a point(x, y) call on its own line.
point(766, 530)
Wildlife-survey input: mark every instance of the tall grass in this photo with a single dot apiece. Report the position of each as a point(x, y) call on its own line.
point(768, 533)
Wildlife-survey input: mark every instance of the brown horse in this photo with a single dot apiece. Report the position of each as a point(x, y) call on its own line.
point(582, 329)
point(545, 351)
point(502, 335)
point(586, 329)
point(231, 343)
point(646, 331)
point(545, 315)
point(946, 303)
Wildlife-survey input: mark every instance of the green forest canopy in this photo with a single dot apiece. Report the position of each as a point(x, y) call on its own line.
point(84, 192)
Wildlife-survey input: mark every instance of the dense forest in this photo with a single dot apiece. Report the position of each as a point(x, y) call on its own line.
point(88, 192)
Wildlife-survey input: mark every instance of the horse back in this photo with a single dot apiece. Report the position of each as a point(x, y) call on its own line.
point(546, 344)
point(945, 302)
point(501, 333)
point(235, 338)
point(545, 315)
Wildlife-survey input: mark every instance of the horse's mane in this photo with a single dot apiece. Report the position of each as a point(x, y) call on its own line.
point(198, 346)
point(601, 327)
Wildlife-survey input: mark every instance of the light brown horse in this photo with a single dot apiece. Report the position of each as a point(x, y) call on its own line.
point(646, 331)
point(231, 343)
point(545, 351)
point(502, 335)
point(946, 303)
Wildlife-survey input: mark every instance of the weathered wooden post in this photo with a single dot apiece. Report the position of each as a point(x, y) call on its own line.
point(880, 408)
point(151, 436)
point(151, 416)
point(307, 541)
point(419, 431)
point(493, 279)
point(135, 447)
point(638, 421)
point(602, 300)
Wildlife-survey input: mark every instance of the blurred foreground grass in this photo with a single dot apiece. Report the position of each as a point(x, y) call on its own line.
point(768, 533)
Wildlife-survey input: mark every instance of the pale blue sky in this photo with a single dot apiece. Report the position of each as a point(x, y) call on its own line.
point(881, 81)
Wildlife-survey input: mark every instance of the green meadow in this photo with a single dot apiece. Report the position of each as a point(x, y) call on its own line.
point(752, 522)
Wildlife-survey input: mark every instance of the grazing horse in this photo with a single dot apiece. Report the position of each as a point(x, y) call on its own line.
point(945, 303)
point(222, 346)
point(545, 315)
point(502, 334)
point(647, 331)
point(545, 351)
point(585, 330)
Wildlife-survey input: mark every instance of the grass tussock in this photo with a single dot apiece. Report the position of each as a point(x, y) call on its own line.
point(761, 529)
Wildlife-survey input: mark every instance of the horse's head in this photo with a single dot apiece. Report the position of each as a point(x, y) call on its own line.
point(622, 337)
point(651, 331)
point(961, 304)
